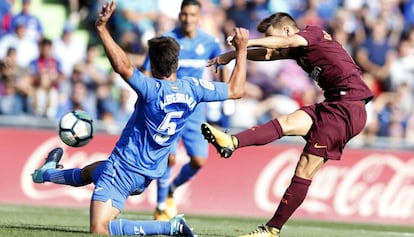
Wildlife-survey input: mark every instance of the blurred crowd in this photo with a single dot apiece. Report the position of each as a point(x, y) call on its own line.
point(47, 77)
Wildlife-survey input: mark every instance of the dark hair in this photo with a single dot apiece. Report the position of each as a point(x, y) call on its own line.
point(190, 2)
point(163, 53)
point(277, 20)
point(46, 42)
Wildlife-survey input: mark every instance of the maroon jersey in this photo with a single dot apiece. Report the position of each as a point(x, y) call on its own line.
point(328, 63)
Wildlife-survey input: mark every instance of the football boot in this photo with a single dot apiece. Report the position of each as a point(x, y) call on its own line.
point(51, 162)
point(179, 227)
point(263, 231)
point(224, 143)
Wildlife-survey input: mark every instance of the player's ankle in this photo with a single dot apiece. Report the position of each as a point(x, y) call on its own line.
point(235, 141)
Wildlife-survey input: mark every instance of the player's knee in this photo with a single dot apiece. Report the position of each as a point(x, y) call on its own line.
point(302, 172)
point(197, 162)
point(308, 166)
point(172, 159)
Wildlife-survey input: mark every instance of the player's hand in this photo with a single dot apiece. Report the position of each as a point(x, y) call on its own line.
point(240, 38)
point(219, 60)
point(106, 12)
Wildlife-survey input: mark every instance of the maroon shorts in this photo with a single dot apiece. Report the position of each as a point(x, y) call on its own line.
point(334, 124)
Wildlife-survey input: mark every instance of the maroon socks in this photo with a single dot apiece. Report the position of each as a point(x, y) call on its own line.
point(260, 134)
point(292, 199)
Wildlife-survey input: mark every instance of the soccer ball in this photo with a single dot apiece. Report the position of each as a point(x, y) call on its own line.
point(76, 128)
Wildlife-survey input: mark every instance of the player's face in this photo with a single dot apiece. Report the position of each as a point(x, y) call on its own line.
point(271, 31)
point(189, 18)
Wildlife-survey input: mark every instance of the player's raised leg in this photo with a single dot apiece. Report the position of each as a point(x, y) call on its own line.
point(51, 171)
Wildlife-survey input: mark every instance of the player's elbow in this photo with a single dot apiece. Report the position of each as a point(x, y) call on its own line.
point(236, 93)
point(125, 71)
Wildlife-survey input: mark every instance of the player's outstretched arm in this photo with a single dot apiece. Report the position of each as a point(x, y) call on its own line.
point(278, 42)
point(238, 75)
point(255, 54)
point(118, 58)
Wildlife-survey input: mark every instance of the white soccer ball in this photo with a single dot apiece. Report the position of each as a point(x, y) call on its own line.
point(76, 128)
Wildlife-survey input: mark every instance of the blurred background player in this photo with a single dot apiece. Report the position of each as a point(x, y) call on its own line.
point(326, 126)
point(197, 47)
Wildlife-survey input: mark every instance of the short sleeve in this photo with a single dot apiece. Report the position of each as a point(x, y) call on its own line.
point(141, 83)
point(212, 91)
point(312, 34)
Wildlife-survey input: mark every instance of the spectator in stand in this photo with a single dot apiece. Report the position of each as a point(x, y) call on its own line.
point(402, 69)
point(26, 49)
point(11, 100)
point(68, 49)
point(408, 9)
point(388, 11)
point(9, 66)
point(5, 16)
point(123, 111)
point(311, 15)
point(33, 25)
point(43, 97)
point(80, 99)
point(327, 8)
point(239, 15)
point(46, 63)
point(169, 10)
point(262, 75)
point(88, 70)
point(376, 54)
point(410, 39)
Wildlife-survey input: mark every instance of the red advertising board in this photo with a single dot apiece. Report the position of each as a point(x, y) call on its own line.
point(366, 185)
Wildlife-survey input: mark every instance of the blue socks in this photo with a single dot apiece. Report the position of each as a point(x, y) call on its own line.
point(70, 177)
point(140, 228)
point(186, 173)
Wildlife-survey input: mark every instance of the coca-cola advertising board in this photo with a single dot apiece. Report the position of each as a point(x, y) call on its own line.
point(366, 185)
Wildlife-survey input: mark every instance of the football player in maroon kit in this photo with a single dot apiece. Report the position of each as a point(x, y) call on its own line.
point(326, 126)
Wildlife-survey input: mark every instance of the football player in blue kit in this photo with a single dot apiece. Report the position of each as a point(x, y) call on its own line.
point(164, 105)
point(197, 47)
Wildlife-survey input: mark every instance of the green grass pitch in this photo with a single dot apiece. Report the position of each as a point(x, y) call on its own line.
point(17, 221)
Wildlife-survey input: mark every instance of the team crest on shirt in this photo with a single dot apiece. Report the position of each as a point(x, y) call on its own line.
point(174, 88)
point(200, 49)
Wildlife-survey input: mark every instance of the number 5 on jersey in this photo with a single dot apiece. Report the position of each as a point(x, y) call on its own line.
point(167, 126)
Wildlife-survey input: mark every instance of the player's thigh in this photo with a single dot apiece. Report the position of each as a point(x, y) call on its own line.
point(87, 171)
point(297, 123)
point(101, 213)
point(308, 165)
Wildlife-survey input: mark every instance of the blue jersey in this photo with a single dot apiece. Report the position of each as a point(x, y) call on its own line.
point(162, 109)
point(194, 54)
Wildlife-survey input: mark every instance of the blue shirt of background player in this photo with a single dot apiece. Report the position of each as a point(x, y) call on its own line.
point(194, 54)
point(161, 110)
